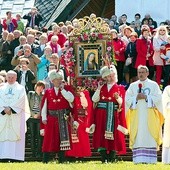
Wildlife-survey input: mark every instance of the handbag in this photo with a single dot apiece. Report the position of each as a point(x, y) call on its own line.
point(128, 61)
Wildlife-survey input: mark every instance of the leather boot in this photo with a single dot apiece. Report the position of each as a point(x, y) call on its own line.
point(103, 155)
point(45, 157)
point(112, 156)
point(61, 157)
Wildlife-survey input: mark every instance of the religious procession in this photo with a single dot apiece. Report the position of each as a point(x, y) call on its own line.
point(90, 88)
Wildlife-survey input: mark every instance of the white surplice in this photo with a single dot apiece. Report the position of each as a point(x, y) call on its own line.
point(154, 99)
point(166, 134)
point(13, 127)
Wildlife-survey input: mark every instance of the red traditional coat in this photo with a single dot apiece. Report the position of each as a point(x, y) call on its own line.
point(119, 45)
point(82, 148)
point(142, 47)
point(51, 141)
point(99, 140)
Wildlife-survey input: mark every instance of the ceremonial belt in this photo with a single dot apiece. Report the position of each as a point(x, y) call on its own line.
point(57, 112)
point(62, 116)
point(110, 108)
point(103, 105)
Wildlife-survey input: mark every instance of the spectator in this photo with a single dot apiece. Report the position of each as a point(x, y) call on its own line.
point(131, 55)
point(165, 55)
point(33, 59)
point(20, 23)
point(33, 18)
point(119, 49)
point(3, 39)
point(9, 23)
point(44, 63)
point(48, 83)
point(39, 50)
point(145, 51)
point(147, 16)
point(55, 46)
point(31, 42)
point(124, 20)
point(5, 60)
point(15, 42)
point(137, 17)
point(24, 75)
point(22, 41)
point(159, 42)
point(137, 28)
point(56, 31)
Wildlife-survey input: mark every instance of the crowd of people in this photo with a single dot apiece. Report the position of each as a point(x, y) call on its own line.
point(37, 88)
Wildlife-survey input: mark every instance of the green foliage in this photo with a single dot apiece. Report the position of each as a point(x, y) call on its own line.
point(91, 165)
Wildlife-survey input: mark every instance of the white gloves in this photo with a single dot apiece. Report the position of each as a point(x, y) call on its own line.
point(83, 100)
point(42, 132)
point(122, 129)
point(75, 124)
point(91, 129)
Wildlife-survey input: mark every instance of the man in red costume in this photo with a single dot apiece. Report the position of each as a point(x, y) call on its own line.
point(109, 116)
point(55, 115)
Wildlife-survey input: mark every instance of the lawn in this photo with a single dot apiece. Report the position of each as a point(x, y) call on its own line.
point(91, 165)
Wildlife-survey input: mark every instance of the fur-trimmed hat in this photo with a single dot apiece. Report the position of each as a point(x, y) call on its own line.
point(53, 74)
point(105, 71)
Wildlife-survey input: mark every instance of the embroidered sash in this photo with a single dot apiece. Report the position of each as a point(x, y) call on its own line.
point(62, 116)
point(110, 109)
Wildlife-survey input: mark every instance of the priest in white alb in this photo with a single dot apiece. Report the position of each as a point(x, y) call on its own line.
point(144, 117)
point(14, 111)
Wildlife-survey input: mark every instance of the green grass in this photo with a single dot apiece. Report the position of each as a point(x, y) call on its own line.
point(91, 165)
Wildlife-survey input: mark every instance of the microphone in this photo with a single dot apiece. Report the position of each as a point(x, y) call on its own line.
point(140, 87)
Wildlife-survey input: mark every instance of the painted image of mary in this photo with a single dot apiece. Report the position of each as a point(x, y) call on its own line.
point(90, 63)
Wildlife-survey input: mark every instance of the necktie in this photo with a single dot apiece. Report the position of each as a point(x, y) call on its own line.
point(32, 21)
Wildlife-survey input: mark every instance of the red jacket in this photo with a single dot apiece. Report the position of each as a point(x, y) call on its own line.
point(119, 45)
point(143, 47)
point(14, 22)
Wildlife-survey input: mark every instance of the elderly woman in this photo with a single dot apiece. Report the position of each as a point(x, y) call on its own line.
point(159, 41)
point(44, 63)
point(56, 48)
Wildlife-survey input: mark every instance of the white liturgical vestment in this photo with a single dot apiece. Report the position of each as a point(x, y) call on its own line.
point(13, 126)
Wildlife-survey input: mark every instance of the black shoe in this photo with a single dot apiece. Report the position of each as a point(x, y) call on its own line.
point(112, 157)
point(61, 157)
point(45, 157)
point(103, 156)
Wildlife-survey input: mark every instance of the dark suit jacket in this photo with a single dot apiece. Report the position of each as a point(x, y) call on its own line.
point(28, 79)
point(38, 19)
